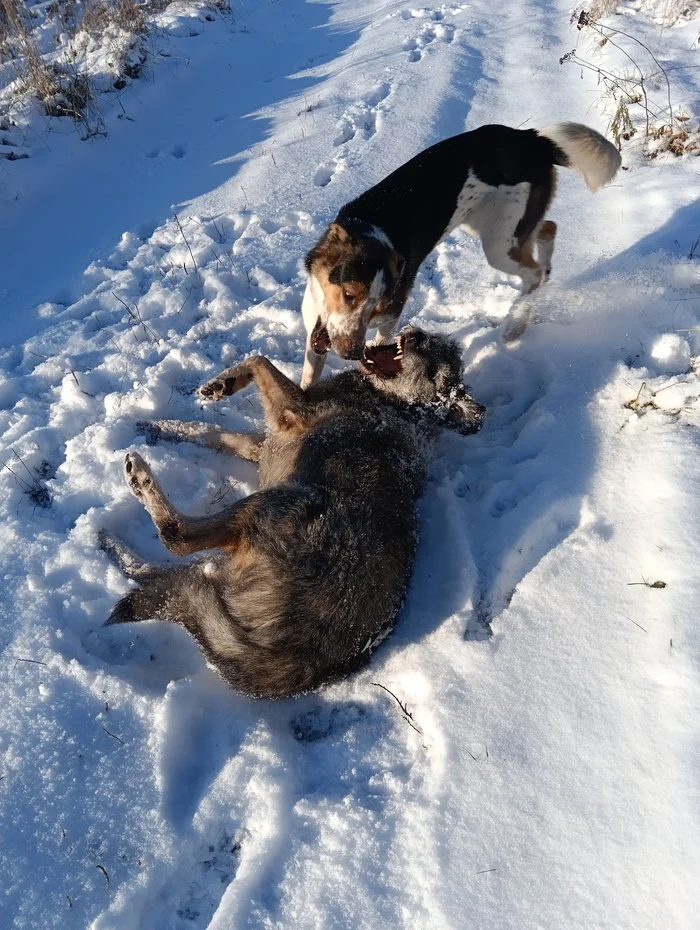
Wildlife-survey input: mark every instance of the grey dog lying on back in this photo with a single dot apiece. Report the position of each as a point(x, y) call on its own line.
point(311, 571)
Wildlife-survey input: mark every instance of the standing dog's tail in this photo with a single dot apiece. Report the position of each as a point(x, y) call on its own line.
point(584, 150)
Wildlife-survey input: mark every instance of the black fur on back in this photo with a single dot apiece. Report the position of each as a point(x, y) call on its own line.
point(415, 203)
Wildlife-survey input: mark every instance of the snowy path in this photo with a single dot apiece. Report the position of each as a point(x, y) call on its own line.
point(555, 781)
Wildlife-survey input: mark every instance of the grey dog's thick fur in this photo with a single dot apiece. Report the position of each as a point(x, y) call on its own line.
point(311, 570)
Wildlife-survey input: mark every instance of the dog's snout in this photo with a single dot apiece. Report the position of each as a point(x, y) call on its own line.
point(349, 348)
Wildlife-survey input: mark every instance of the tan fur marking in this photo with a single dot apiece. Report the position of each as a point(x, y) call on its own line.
point(356, 289)
point(548, 231)
point(337, 233)
point(522, 254)
point(320, 269)
point(334, 297)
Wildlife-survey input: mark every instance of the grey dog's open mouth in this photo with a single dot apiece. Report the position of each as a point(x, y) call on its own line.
point(320, 340)
point(383, 360)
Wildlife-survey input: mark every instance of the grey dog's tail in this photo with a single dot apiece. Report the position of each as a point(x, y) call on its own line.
point(584, 150)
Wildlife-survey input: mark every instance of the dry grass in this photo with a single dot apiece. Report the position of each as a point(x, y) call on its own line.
point(99, 16)
point(18, 44)
point(672, 11)
point(65, 89)
point(625, 93)
point(101, 48)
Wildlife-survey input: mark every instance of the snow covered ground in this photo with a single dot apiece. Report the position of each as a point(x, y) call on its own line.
point(552, 776)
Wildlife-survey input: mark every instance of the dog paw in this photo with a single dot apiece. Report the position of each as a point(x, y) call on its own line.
point(518, 317)
point(138, 474)
point(105, 541)
point(225, 384)
point(150, 429)
point(514, 328)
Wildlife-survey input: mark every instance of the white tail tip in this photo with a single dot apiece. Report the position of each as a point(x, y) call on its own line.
point(586, 151)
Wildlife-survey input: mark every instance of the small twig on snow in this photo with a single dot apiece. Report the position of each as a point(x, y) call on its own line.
point(31, 661)
point(136, 315)
point(114, 736)
point(408, 716)
point(75, 378)
point(635, 623)
point(182, 232)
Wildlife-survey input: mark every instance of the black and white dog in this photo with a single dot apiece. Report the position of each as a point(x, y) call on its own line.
point(497, 182)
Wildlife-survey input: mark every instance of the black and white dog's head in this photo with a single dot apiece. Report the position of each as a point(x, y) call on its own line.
point(353, 272)
point(425, 369)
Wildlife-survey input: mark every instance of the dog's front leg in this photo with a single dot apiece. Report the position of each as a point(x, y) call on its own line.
point(244, 445)
point(313, 366)
point(282, 399)
point(314, 311)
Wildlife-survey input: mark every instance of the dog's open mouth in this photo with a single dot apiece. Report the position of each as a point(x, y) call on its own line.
point(383, 360)
point(320, 340)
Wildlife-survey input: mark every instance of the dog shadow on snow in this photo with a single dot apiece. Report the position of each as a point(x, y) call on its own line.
point(500, 501)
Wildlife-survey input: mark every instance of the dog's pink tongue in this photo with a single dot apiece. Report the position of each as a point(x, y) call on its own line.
point(385, 358)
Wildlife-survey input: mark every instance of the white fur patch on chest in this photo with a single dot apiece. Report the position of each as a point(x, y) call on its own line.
point(487, 211)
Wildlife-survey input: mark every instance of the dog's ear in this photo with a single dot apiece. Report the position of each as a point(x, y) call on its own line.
point(337, 234)
point(464, 414)
point(328, 248)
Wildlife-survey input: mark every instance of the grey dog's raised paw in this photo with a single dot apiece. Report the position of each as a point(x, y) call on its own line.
point(216, 389)
point(226, 383)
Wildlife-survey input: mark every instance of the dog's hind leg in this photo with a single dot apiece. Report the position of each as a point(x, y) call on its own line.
point(124, 557)
point(179, 533)
point(520, 312)
point(244, 445)
point(517, 259)
point(518, 318)
point(159, 587)
point(507, 255)
point(545, 247)
point(147, 603)
point(179, 593)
